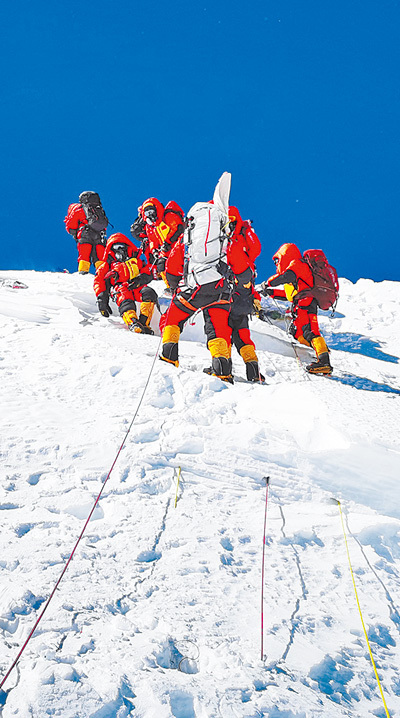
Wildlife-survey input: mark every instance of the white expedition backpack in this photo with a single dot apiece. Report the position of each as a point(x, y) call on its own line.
point(204, 237)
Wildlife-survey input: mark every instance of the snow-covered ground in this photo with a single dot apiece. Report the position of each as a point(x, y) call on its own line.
point(159, 613)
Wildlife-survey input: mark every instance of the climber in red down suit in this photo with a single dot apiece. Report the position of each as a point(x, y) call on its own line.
point(196, 268)
point(294, 272)
point(243, 249)
point(213, 300)
point(86, 221)
point(158, 228)
point(123, 277)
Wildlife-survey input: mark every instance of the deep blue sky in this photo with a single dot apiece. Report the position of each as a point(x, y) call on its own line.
point(299, 100)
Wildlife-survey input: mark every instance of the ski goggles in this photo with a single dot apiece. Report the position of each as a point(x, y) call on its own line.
point(120, 251)
point(150, 213)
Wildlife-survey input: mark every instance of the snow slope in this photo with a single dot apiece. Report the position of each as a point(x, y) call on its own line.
point(159, 613)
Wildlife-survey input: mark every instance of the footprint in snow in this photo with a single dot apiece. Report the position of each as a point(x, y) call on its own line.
point(148, 556)
point(33, 479)
point(23, 529)
point(226, 544)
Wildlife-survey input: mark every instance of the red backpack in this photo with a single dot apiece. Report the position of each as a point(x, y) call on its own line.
point(75, 218)
point(326, 283)
point(173, 208)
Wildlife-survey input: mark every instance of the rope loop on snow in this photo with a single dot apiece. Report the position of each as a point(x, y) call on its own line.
point(39, 618)
point(359, 608)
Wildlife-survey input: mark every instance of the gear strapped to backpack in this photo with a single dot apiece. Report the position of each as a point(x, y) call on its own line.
point(326, 283)
point(95, 214)
point(205, 244)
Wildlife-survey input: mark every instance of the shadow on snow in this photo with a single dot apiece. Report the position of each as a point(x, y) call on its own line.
point(360, 382)
point(358, 344)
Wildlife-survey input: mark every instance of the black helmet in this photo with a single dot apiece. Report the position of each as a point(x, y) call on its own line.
point(89, 197)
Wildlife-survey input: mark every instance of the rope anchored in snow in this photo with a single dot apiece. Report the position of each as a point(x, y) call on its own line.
point(39, 618)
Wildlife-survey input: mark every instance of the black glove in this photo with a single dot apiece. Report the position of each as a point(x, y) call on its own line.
point(224, 269)
point(161, 262)
point(103, 305)
point(140, 281)
point(265, 290)
point(137, 228)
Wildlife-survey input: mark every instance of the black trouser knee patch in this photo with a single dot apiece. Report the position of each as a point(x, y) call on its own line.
point(126, 305)
point(149, 295)
point(307, 333)
point(209, 330)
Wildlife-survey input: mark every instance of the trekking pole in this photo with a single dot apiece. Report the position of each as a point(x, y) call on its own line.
point(263, 569)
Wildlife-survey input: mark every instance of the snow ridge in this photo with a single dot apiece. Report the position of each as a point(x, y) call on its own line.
point(159, 612)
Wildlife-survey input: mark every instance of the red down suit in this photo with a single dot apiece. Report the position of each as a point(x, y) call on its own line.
point(243, 248)
point(196, 290)
point(90, 244)
point(158, 228)
point(123, 276)
point(295, 274)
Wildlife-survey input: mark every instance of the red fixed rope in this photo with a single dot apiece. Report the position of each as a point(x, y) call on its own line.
point(39, 618)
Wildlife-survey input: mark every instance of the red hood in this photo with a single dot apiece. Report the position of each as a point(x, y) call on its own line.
point(285, 255)
point(121, 239)
point(174, 207)
point(153, 202)
point(234, 215)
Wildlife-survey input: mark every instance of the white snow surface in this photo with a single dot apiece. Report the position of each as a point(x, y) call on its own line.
point(159, 612)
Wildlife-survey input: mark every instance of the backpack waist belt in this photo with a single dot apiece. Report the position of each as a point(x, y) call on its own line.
point(186, 304)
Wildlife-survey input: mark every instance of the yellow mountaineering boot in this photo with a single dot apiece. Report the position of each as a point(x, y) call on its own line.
point(323, 364)
point(130, 317)
point(221, 359)
point(250, 359)
point(83, 266)
point(170, 340)
point(146, 313)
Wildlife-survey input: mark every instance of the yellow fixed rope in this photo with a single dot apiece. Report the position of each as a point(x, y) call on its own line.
point(177, 486)
point(359, 609)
